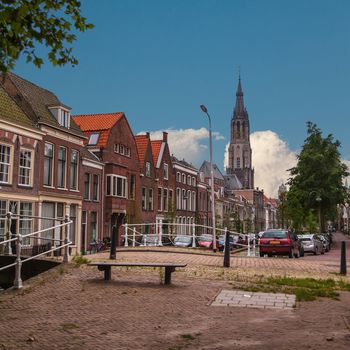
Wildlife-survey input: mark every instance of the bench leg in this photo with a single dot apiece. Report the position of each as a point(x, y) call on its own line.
point(107, 270)
point(168, 271)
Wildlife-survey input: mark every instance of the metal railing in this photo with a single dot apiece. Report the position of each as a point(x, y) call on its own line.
point(140, 235)
point(18, 239)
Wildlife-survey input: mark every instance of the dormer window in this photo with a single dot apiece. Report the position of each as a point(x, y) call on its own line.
point(62, 115)
point(93, 139)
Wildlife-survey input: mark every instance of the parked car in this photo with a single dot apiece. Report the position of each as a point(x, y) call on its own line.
point(205, 241)
point(232, 241)
point(183, 241)
point(312, 244)
point(280, 242)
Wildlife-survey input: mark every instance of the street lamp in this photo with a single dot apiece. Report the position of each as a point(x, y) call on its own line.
point(204, 109)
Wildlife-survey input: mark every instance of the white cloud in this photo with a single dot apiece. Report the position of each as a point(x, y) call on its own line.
point(187, 143)
point(271, 159)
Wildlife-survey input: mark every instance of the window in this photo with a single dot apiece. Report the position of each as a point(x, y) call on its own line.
point(87, 186)
point(83, 231)
point(184, 206)
point(5, 156)
point(48, 164)
point(122, 149)
point(189, 200)
point(183, 178)
point(238, 162)
point(178, 177)
point(74, 170)
point(166, 171)
point(95, 188)
point(178, 198)
point(93, 139)
point(193, 201)
point(165, 201)
point(132, 186)
point(25, 221)
point(148, 169)
point(189, 180)
point(73, 217)
point(25, 168)
point(93, 226)
point(159, 199)
point(61, 167)
point(150, 199)
point(64, 118)
point(143, 198)
point(193, 181)
point(171, 206)
point(117, 186)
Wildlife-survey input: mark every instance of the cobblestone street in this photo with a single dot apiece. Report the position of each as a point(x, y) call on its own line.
point(73, 308)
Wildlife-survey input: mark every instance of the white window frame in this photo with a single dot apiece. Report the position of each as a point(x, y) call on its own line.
point(189, 180)
point(150, 199)
point(52, 164)
point(160, 208)
point(113, 183)
point(93, 139)
point(94, 176)
point(29, 169)
point(165, 171)
point(64, 185)
point(77, 171)
point(143, 198)
point(9, 165)
point(178, 198)
point(148, 169)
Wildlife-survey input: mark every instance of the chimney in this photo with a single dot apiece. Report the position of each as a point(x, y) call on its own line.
point(165, 136)
point(147, 134)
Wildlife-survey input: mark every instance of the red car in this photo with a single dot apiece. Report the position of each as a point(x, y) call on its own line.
point(280, 242)
point(206, 241)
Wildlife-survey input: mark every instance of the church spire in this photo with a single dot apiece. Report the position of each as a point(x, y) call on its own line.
point(239, 110)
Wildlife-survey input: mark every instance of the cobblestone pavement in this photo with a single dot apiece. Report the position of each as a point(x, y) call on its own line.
point(73, 308)
point(239, 298)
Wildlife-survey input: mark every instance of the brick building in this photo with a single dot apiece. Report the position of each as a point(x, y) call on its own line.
point(110, 138)
point(59, 153)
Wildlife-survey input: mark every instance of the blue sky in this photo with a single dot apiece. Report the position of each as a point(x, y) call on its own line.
point(159, 60)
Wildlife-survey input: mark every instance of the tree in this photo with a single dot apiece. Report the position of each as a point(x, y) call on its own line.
point(316, 181)
point(27, 24)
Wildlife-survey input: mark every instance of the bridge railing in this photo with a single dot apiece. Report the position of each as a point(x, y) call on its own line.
point(11, 240)
point(159, 234)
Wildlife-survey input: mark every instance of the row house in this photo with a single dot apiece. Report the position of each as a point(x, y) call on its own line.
point(111, 140)
point(186, 184)
point(165, 182)
point(148, 186)
point(51, 160)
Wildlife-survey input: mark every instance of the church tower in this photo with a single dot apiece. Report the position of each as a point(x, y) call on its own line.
point(240, 152)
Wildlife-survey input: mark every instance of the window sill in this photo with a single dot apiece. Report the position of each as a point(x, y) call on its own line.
point(62, 188)
point(74, 190)
point(47, 186)
point(25, 186)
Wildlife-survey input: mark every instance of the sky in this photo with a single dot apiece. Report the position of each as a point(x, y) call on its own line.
point(158, 60)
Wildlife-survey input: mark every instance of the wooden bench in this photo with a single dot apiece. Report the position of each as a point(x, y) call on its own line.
point(107, 268)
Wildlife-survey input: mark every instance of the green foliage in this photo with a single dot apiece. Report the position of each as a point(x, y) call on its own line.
point(80, 260)
point(318, 174)
point(25, 24)
point(311, 224)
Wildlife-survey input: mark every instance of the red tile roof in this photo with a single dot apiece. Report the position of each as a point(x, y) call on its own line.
point(102, 123)
point(156, 145)
point(141, 144)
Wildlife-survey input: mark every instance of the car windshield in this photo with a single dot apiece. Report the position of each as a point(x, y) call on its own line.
point(274, 234)
point(183, 239)
point(206, 238)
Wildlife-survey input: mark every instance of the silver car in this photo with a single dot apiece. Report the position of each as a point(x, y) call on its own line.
point(311, 244)
point(183, 241)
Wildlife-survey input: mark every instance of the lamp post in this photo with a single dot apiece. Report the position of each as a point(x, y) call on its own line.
point(205, 110)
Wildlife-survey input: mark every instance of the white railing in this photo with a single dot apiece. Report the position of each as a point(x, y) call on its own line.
point(157, 234)
point(18, 239)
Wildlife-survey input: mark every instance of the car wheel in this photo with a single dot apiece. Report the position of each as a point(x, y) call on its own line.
point(261, 254)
